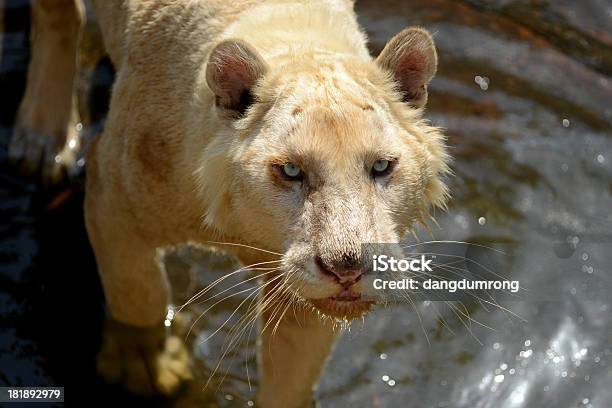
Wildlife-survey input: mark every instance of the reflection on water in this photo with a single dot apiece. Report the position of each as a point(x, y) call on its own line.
point(525, 94)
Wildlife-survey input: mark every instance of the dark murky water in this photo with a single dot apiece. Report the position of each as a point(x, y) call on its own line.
point(525, 93)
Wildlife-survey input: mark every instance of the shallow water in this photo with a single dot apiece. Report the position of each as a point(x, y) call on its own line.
point(525, 93)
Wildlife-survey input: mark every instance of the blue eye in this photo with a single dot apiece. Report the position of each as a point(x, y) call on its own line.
point(292, 171)
point(381, 167)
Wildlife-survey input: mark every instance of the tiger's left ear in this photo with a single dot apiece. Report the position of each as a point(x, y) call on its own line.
point(411, 57)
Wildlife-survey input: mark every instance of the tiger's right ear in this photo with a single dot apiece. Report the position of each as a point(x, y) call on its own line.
point(232, 70)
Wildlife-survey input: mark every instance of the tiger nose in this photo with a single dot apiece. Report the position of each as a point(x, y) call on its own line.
point(346, 272)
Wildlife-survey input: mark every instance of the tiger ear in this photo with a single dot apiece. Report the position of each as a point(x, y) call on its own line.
point(410, 56)
point(233, 68)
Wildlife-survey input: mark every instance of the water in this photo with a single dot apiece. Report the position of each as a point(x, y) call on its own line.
point(525, 93)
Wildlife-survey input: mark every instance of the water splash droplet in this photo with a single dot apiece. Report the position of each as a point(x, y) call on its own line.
point(482, 82)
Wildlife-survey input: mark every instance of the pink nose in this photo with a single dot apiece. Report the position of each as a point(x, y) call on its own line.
point(344, 275)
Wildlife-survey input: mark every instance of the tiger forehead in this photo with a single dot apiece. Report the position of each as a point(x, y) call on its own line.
point(361, 105)
point(338, 94)
point(342, 121)
point(325, 123)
